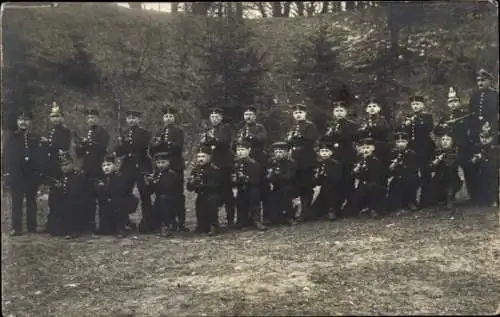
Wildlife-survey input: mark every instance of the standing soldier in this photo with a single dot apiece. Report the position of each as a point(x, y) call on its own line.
point(302, 138)
point(419, 126)
point(170, 138)
point(485, 156)
point(341, 134)
point(218, 138)
point(133, 148)
point(457, 122)
point(23, 166)
point(255, 134)
point(92, 149)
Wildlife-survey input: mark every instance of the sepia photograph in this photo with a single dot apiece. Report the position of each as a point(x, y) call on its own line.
point(286, 158)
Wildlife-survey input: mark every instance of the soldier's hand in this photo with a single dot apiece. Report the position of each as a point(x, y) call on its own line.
point(44, 139)
point(407, 122)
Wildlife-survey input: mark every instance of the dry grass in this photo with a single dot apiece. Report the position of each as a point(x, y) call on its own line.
point(418, 264)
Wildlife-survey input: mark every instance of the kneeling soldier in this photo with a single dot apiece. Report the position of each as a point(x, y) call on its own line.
point(246, 177)
point(69, 206)
point(369, 187)
point(328, 175)
point(164, 183)
point(403, 176)
point(485, 157)
point(445, 180)
point(281, 176)
point(205, 181)
point(115, 200)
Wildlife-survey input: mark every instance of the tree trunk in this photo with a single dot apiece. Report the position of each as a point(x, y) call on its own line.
point(336, 6)
point(200, 8)
point(300, 8)
point(174, 7)
point(220, 9)
point(349, 5)
point(310, 8)
point(262, 9)
point(135, 5)
point(393, 25)
point(229, 10)
point(276, 9)
point(286, 11)
point(324, 9)
point(239, 11)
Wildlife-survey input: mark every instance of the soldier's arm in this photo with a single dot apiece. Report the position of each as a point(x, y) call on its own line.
point(223, 136)
point(311, 133)
point(255, 174)
point(335, 172)
point(428, 122)
point(261, 134)
point(178, 141)
point(101, 143)
point(65, 140)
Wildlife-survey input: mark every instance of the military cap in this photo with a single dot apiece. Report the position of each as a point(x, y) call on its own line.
point(65, 158)
point(452, 95)
point(325, 144)
point(91, 112)
point(340, 103)
point(169, 109)
point(417, 98)
point(55, 109)
point(400, 135)
point(25, 114)
point(486, 134)
point(251, 109)
point(367, 141)
point(280, 145)
point(444, 130)
point(374, 100)
point(300, 107)
point(216, 111)
point(483, 74)
point(162, 156)
point(205, 149)
point(243, 143)
point(110, 158)
point(133, 112)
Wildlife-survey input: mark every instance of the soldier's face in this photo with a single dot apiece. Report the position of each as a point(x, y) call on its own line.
point(453, 105)
point(485, 139)
point(339, 113)
point(417, 106)
point(366, 149)
point(483, 83)
point(215, 118)
point(299, 115)
point(162, 164)
point(108, 167)
point(56, 119)
point(280, 153)
point(249, 116)
point(132, 121)
point(92, 119)
point(168, 118)
point(401, 144)
point(325, 153)
point(242, 152)
point(202, 158)
point(23, 123)
point(372, 108)
point(446, 141)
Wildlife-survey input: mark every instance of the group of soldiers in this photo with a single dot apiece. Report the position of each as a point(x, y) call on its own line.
point(363, 167)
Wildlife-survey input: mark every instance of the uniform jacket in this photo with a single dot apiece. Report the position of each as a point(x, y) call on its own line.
point(484, 105)
point(256, 135)
point(113, 190)
point(302, 138)
point(369, 171)
point(419, 134)
point(58, 138)
point(341, 133)
point(222, 155)
point(134, 148)
point(205, 180)
point(94, 150)
point(403, 164)
point(328, 172)
point(459, 129)
point(246, 172)
point(166, 182)
point(281, 173)
point(171, 141)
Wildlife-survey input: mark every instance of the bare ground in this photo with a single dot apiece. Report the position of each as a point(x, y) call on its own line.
point(423, 263)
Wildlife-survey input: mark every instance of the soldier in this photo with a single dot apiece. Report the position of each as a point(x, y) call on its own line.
point(485, 157)
point(445, 180)
point(58, 138)
point(403, 176)
point(92, 149)
point(133, 147)
point(255, 134)
point(205, 181)
point(457, 122)
point(328, 176)
point(23, 170)
point(164, 184)
point(170, 138)
point(246, 178)
point(281, 175)
point(419, 126)
point(302, 138)
point(218, 138)
point(115, 199)
point(68, 210)
point(369, 185)
point(341, 134)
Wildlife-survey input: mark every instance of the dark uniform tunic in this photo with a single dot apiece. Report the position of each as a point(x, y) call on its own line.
point(222, 157)
point(420, 141)
point(341, 133)
point(135, 164)
point(328, 175)
point(246, 177)
point(376, 127)
point(92, 151)
point(23, 166)
point(281, 174)
point(205, 181)
point(485, 157)
point(58, 138)
point(445, 182)
point(115, 202)
point(484, 105)
point(302, 139)
point(68, 210)
point(403, 182)
point(165, 186)
point(171, 140)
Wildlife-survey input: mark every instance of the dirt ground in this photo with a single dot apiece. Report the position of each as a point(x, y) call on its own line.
point(422, 263)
